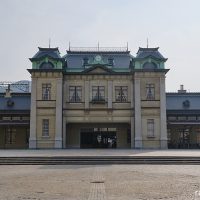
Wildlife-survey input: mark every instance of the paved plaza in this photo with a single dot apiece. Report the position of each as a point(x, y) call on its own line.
point(99, 182)
point(107, 182)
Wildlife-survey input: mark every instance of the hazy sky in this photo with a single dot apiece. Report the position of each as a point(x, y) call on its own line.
point(173, 25)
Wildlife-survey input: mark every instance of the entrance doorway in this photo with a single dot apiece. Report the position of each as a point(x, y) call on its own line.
point(98, 138)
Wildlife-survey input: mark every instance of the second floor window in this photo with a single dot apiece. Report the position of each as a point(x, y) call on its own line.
point(121, 93)
point(98, 93)
point(75, 93)
point(46, 91)
point(150, 91)
point(45, 127)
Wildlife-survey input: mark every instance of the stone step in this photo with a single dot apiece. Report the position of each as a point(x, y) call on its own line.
point(94, 160)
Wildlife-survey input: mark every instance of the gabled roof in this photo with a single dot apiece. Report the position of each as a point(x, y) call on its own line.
point(149, 52)
point(46, 52)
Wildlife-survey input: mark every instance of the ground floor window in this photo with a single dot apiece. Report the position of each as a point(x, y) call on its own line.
point(150, 127)
point(10, 136)
point(45, 127)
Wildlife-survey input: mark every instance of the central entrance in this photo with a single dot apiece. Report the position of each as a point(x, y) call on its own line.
point(98, 138)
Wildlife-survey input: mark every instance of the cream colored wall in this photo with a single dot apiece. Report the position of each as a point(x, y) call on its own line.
point(97, 112)
point(46, 141)
point(150, 109)
point(46, 109)
point(151, 142)
point(150, 79)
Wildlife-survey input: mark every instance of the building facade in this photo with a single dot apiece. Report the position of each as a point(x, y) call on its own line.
point(98, 98)
point(14, 117)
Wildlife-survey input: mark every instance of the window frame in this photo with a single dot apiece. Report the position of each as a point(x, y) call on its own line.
point(75, 90)
point(45, 127)
point(99, 90)
point(46, 91)
point(120, 95)
point(150, 128)
point(10, 137)
point(150, 91)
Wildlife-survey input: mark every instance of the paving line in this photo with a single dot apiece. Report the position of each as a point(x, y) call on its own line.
point(97, 189)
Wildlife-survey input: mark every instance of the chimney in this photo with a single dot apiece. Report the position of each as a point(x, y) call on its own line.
point(8, 94)
point(182, 89)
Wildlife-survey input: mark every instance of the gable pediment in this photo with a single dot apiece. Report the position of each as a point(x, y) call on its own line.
point(98, 70)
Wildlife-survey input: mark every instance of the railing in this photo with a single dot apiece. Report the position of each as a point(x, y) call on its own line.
point(12, 86)
point(98, 49)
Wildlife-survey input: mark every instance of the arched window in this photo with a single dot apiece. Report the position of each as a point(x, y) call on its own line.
point(47, 65)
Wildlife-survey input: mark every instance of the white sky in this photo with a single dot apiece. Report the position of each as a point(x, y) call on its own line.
point(173, 25)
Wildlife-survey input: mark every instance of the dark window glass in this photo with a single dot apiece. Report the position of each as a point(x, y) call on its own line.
point(10, 135)
point(150, 91)
point(121, 93)
point(98, 93)
point(46, 91)
point(75, 93)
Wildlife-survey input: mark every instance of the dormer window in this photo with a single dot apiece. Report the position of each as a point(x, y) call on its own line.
point(110, 61)
point(46, 65)
point(85, 61)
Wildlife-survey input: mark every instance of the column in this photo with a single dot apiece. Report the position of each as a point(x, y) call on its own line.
point(132, 133)
point(64, 133)
point(163, 118)
point(87, 94)
point(132, 117)
point(110, 92)
point(58, 133)
point(138, 119)
point(33, 124)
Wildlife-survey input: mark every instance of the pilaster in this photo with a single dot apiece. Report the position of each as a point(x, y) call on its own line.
point(163, 118)
point(58, 133)
point(138, 119)
point(87, 95)
point(110, 90)
point(32, 139)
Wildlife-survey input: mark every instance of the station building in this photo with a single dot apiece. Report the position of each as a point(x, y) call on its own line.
point(99, 98)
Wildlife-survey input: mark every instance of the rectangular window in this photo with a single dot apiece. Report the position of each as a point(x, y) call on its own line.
point(171, 118)
point(75, 93)
point(10, 135)
point(121, 93)
point(46, 91)
point(182, 118)
point(150, 91)
point(150, 127)
point(192, 118)
point(98, 93)
point(45, 127)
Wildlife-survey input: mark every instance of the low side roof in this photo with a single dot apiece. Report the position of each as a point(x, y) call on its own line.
point(20, 101)
point(176, 101)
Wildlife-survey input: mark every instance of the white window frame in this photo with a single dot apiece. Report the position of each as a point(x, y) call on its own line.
point(45, 128)
point(151, 128)
point(46, 91)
